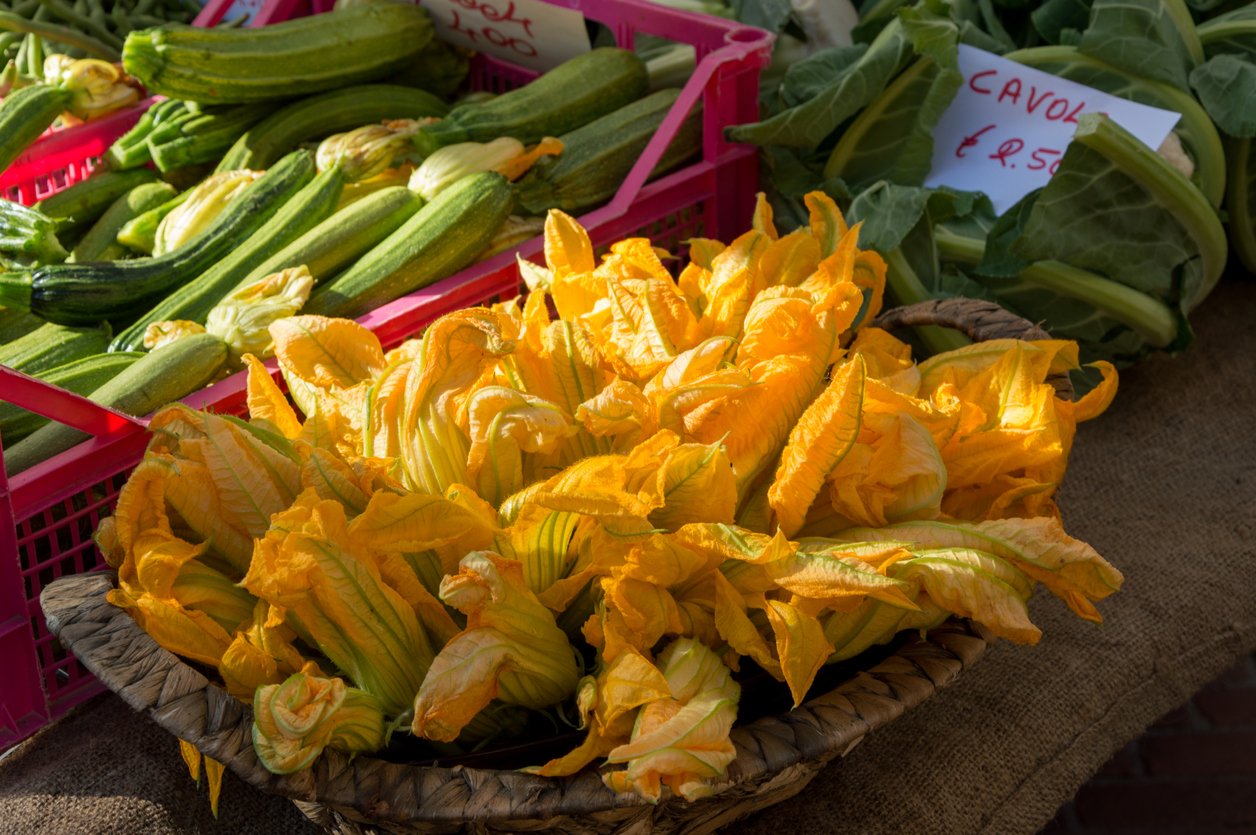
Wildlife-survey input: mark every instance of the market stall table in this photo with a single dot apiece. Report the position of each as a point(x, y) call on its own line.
point(1164, 485)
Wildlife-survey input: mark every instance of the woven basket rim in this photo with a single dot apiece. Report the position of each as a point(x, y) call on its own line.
point(111, 644)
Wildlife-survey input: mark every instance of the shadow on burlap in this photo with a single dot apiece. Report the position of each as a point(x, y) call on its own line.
point(1164, 485)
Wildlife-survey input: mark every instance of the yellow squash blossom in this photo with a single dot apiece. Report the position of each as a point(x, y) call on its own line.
point(511, 650)
point(294, 721)
point(329, 589)
point(681, 741)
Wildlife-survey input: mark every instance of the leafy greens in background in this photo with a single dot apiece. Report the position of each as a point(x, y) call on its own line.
point(1123, 242)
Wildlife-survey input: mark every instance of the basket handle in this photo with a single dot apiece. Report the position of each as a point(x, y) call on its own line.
point(979, 320)
point(63, 406)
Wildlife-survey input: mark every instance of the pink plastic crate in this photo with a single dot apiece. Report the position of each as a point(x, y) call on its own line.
point(61, 158)
point(47, 514)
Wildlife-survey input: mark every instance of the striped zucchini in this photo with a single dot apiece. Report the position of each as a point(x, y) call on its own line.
point(163, 376)
point(24, 115)
point(572, 94)
point(100, 242)
point(442, 238)
point(81, 376)
point(192, 302)
point(294, 58)
point(316, 117)
point(343, 238)
point(130, 150)
point(86, 200)
point(597, 156)
point(51, 345)
point(205, 137)
point(76, 294)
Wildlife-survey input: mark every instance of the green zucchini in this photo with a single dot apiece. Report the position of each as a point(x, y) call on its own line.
point(130, 150)
point(100, 242)
point(81, 376)
point(317, 117)
point(82, 203)
point(51, 345)
point(29, 233)
point(15, 324)
point(340, 240)
point(139, 234)
point(597, 156)
point(24, 115)
point(163, 376)
point(572, 94)
point(192, 302)
point(294, 58)
point(205, 137)
point(442, 238)
point(76, 294)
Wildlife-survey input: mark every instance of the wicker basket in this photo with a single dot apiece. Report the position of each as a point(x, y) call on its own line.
point(776, 755)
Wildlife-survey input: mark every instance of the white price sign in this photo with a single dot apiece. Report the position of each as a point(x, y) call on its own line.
point(1008, 126)
point(529, 33)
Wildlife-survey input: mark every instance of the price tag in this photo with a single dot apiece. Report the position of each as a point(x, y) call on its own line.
point(1008, 126)
point(529, 33)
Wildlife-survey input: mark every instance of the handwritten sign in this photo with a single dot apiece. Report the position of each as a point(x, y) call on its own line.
point(529, 33)
point(1007, 128)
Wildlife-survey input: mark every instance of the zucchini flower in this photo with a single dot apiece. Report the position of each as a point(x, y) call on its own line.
point(506, 425)
point(370, 150)
point(505, 155)
point(511, 650)
point(335, 599)
point(97, 88)
point(160, 334)
point(293, 722)
point(243, 318)
point(201, 208)
point(681, 741)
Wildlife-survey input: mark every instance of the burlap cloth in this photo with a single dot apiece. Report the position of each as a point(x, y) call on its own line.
point(1164, 485)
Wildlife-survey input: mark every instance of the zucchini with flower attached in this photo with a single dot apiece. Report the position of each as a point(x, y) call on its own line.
point(293, 58)
point(193, 301)
point(87, 88)
point(100, 242)
point(316, 117)
point(572, 94)
point(442, 238)
point(74, 294)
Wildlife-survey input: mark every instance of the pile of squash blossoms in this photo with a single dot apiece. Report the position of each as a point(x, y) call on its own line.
point(609, 497)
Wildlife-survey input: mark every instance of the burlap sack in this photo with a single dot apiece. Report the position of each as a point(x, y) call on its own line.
point(1164, 485)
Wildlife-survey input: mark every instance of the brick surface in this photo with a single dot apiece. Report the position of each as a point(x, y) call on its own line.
point(1216, 753)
